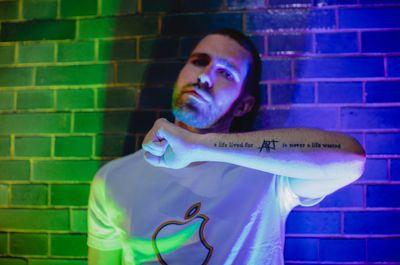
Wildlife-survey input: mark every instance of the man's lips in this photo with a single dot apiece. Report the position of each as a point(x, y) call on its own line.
point(199, 93)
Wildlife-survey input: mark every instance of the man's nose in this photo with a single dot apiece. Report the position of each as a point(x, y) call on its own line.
point(204, 81)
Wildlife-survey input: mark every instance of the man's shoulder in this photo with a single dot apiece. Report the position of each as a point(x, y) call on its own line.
point(125, 163)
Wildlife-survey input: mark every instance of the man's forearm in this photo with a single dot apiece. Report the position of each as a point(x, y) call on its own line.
point(299, 153)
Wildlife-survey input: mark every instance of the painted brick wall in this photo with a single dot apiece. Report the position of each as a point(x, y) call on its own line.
point(82, 81)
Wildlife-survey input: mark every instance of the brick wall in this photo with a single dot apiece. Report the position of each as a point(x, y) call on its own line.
point(82, 81)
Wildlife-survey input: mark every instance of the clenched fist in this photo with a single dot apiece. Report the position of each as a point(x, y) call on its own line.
point(168, 145)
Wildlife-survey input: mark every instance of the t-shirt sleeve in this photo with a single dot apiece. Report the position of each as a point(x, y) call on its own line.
point(289, 199)
point(103, 234)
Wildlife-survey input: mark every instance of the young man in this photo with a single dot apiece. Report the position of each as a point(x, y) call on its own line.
point(197, 194)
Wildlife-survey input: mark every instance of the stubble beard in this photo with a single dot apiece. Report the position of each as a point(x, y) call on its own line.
point(199, 115)
point(190, 112)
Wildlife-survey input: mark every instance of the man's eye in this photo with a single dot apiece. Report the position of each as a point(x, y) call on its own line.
point(199, 62)
point(226, 74)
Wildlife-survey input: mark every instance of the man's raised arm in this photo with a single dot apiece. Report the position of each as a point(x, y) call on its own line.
point(298, 153)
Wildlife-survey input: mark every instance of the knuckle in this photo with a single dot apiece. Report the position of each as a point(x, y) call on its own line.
point(160, 121)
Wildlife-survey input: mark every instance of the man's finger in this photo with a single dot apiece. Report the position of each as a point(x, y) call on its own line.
point(153, 160)
point(163, 144)
point(156, 147)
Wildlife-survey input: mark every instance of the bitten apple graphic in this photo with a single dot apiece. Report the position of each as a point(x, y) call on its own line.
point(179, 242)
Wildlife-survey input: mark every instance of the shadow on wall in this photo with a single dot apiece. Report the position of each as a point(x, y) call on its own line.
point(146, 67)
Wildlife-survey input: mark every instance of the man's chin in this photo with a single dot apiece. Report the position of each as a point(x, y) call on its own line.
point(191, 117)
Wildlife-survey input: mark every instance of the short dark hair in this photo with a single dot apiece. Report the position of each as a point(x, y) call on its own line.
point(251, 83)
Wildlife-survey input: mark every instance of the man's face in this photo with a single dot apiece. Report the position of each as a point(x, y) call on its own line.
point(210, 82)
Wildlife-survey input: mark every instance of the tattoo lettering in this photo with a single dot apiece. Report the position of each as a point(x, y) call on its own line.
point(234, 145)
point(272, 144)
point(268, 145)
point(311, 145)
point(337, 146)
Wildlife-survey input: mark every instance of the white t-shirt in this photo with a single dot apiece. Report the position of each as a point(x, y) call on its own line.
point(208, 213)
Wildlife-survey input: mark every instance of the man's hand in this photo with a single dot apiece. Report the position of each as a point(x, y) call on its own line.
point(168, 145)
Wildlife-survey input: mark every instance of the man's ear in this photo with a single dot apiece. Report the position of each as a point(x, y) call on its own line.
point(245, 105)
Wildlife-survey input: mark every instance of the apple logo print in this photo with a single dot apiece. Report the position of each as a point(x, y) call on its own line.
point(177, 242)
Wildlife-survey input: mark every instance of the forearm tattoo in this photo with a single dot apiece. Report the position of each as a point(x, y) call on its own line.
point(268, 145)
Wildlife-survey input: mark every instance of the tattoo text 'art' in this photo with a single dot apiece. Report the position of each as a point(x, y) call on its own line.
point(268, 145)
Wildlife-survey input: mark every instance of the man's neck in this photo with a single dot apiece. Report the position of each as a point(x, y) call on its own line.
point(217, 128)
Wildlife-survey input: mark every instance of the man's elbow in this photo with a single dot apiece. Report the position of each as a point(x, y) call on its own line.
point(349, 166)
point(356, 165)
